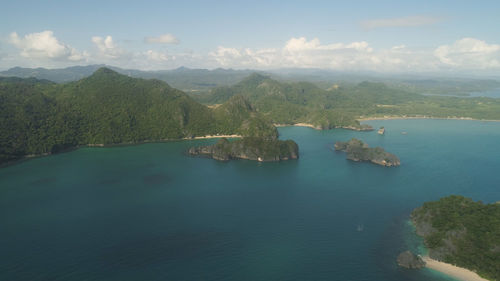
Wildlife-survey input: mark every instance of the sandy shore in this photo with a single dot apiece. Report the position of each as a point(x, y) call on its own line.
point(298, 125)
point(451, 270)
point(213, 137)
point(422, 117)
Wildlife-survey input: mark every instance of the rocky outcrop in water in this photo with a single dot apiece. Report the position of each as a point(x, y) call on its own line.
point(258, 149)
point(358, 151)
point(409, 260)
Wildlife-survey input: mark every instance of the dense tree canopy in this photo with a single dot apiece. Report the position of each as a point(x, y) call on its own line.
point(462, 232)
point(40, 117)
point(300, 102)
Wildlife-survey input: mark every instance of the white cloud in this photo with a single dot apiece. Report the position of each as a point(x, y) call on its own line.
point(400, 22)
point(44, 45)
point(469, 53)
point(299, 52)
point(465, 54)
point(157, 56)
point(107, 48)
point(162, 39)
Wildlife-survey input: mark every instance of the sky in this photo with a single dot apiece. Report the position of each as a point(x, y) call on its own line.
point(381, 36)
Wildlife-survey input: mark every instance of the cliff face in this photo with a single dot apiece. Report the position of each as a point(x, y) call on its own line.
point(258, 149)
point(424, 228)
point(357, 150)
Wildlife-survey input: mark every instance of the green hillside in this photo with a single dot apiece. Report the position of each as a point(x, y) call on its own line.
point(40, 117)
point(460, 231)
point(340, 106)
point(286, 103)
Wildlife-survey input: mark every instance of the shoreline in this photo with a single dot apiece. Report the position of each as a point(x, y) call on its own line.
point(102, 145)
point(423, 117)
point(456, 272)
point(308, 125)
point(298, 125)
point(213, 137)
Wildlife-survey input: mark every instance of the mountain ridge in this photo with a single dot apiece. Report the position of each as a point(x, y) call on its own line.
point(110, 108)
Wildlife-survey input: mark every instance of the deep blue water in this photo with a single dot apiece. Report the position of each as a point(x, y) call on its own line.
point(148, 212)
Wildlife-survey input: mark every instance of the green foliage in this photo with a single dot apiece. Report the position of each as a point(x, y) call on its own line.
point(289, 103)
point(40, 117)
point(357, 150)
point(253, 148)
point(286, 103)
point(473, 228)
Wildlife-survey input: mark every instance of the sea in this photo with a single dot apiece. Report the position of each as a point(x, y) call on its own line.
point(150, 212)
point(493, 93)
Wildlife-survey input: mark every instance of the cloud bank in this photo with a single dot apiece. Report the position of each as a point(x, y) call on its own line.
point(466, 54)
point(44, 45)
point(107, 48)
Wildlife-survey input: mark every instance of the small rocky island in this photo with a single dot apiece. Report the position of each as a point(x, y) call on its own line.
point(258, 149)
point(409, 260)
point(358, 151)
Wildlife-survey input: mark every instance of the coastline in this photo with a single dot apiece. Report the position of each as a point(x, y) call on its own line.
point(451, 270)
point(102, 145)
point(298, 125)
point(422, 117)
point(213, 137)
point(308, 125)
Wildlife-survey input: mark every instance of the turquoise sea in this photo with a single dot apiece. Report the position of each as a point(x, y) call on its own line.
point(148, 212)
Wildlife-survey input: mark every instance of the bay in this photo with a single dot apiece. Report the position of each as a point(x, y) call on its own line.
point(149, 212)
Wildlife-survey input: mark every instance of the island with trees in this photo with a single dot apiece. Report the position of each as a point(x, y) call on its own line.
point(40, 117)
point(251, 148)
point(358, 151)
point(462, 232)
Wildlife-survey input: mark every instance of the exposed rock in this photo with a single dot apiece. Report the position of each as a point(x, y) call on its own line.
point(362, 127)
point(357, 150)
point(409, 260)
point(258, 149)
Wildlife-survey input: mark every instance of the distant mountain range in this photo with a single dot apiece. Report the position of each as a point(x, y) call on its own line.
point(186, 79)
point(193, 81)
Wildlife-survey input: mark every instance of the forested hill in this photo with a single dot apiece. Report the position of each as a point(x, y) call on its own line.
point(38, 117)
point(460, 231)
point(340, 106)
point(304, 102)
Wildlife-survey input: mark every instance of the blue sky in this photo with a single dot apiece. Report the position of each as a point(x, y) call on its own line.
point(386, 36)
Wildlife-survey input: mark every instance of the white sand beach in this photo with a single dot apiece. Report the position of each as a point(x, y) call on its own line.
point(451, 270)
point(214, 137)
point(298, 125)
point(421, 117)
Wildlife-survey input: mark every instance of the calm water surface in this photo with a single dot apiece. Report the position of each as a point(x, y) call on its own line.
point(148, 212)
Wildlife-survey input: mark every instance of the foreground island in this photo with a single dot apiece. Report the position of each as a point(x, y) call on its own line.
point(357, 150)
point(258, 149)
point(458, 231)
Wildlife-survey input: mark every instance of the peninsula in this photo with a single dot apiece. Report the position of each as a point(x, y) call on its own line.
point(359, 151)
point(258, 149)
point(458, 231)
